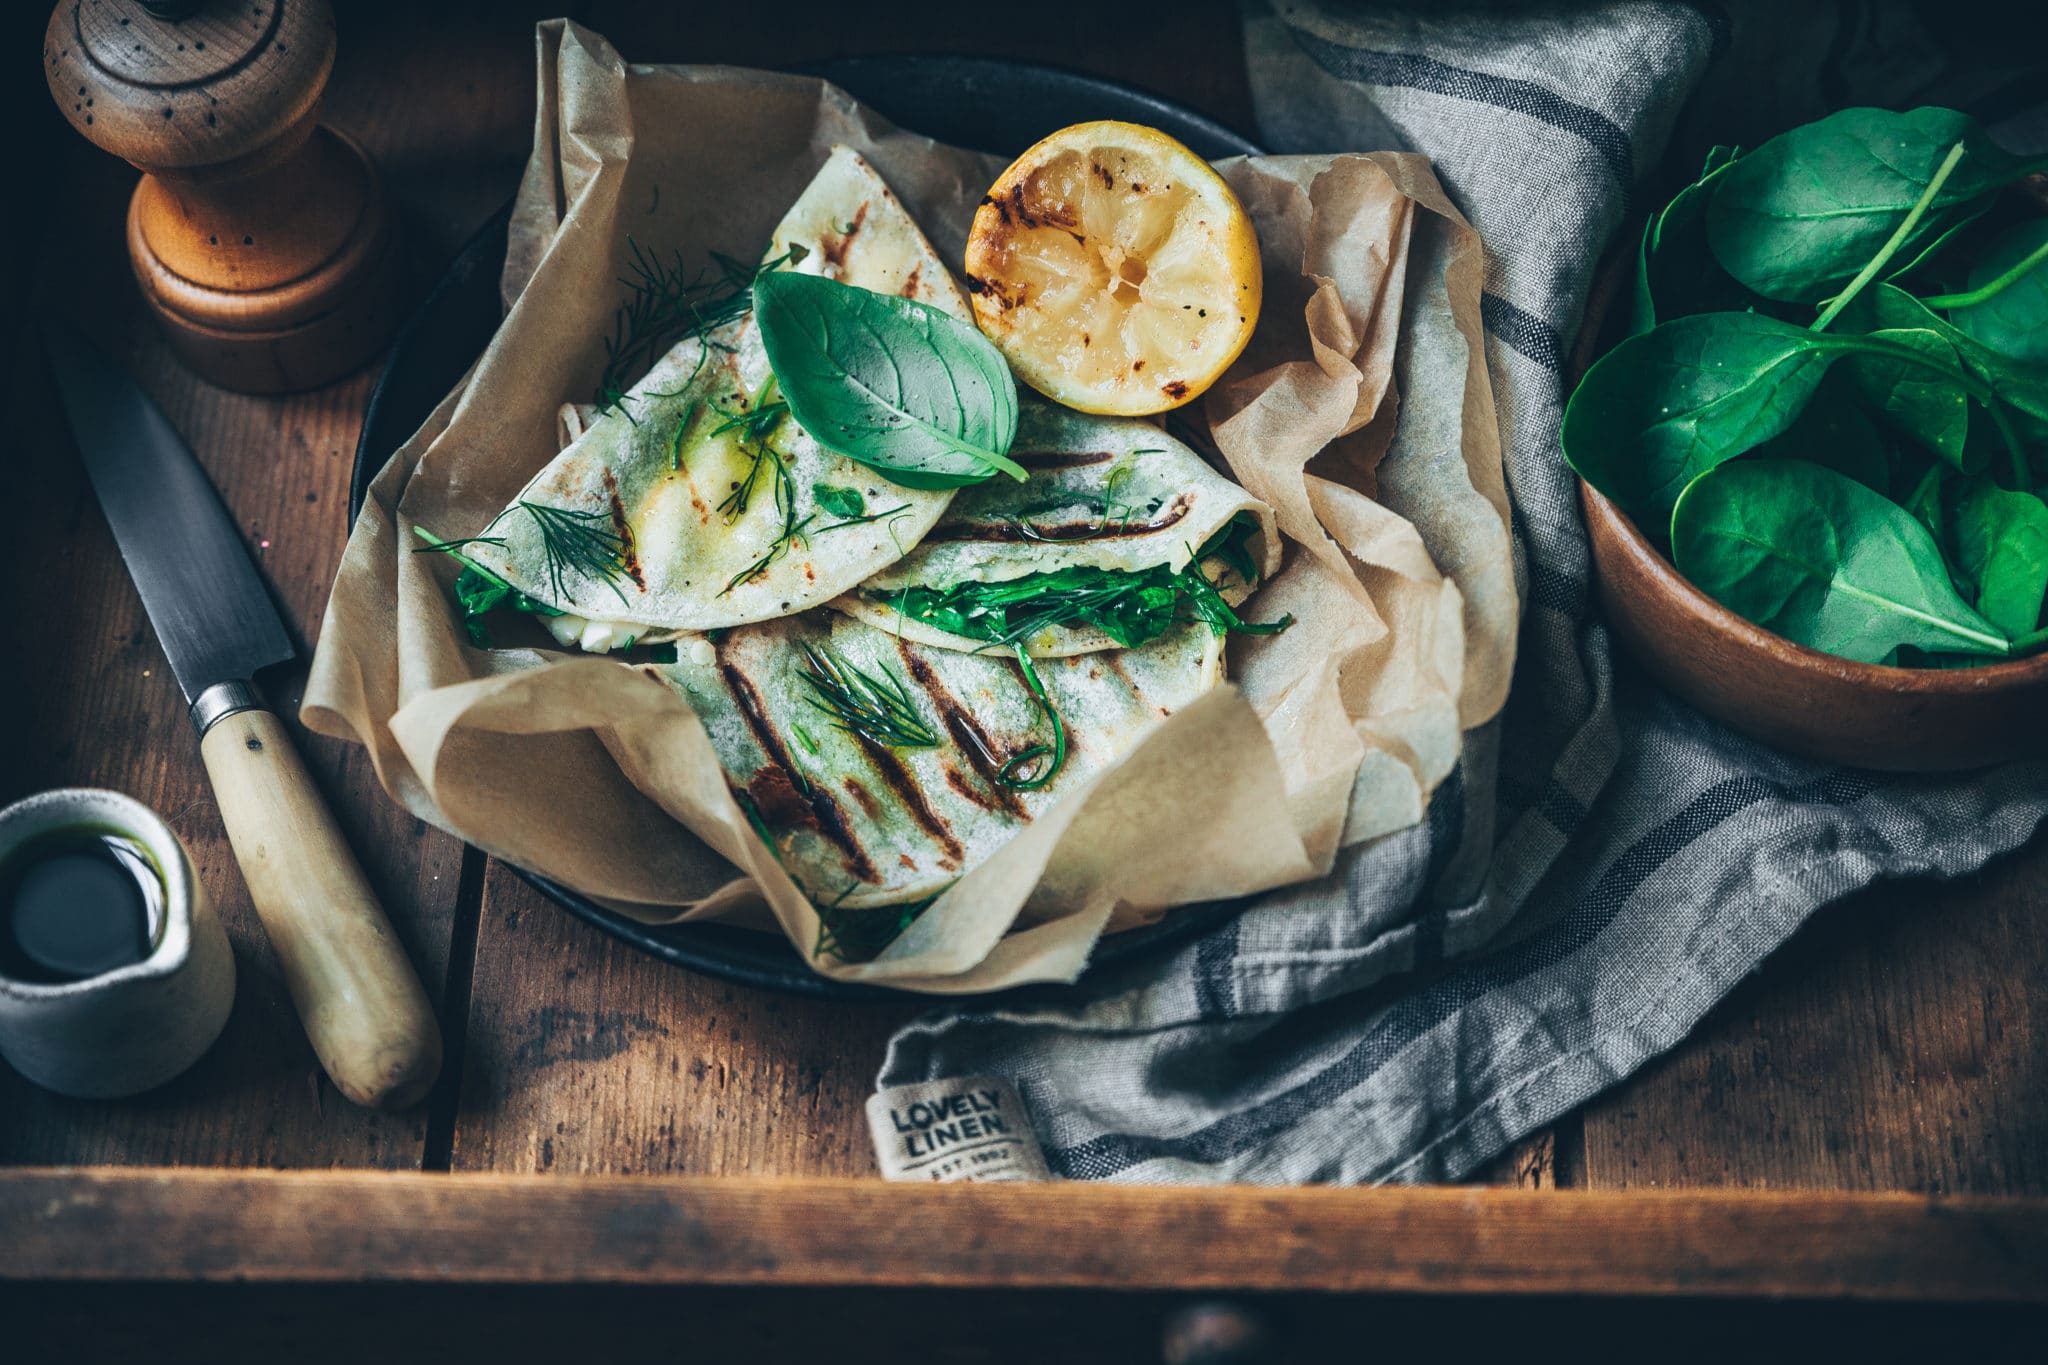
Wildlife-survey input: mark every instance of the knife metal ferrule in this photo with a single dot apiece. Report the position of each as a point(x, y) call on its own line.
point(220, 701)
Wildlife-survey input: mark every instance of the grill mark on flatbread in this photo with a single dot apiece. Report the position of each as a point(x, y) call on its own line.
point(968, 734)
point(778, 800)
point(904, 784)
point(832, 246)
point(862, 795)
point(1061, 459)
point(910, 284)
point(826, 815)
point(1100, 528)
point(628, 556)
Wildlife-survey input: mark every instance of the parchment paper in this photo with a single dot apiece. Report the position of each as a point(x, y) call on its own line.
point(1333, 731)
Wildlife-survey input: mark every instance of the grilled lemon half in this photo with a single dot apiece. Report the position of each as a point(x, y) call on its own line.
point(1115, 269)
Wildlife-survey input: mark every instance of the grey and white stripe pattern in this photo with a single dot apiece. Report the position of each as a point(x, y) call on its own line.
point(1605, 864)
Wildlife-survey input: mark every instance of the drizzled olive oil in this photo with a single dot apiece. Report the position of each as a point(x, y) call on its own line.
point(76, 903)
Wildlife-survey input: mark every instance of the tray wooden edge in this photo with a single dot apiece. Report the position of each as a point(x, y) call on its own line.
point(195, 1226)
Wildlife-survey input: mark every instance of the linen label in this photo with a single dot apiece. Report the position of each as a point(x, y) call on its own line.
point(961, 1128)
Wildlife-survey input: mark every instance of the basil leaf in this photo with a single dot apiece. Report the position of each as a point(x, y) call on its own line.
point(896, 385)
point(840, 502)
point(1798, 217)
point(1823, 561)
point(1998, 543)
point(2014, 321)
point(1662, 408)
point(1918, 398)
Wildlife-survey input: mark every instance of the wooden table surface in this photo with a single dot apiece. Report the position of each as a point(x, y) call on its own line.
point(1899, 1043)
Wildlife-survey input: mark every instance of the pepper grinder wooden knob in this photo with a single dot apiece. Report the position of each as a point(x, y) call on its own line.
point(261, 238)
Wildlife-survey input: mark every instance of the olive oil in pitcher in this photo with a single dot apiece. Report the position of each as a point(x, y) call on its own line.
point(77, 902)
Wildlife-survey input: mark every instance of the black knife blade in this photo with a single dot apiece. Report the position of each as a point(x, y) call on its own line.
point(212, 614)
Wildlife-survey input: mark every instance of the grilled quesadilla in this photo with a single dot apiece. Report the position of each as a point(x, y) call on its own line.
point(694, 501)
point(880, 769)
point(1119, 533)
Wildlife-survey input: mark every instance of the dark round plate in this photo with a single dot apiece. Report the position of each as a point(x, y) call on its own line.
point(995, 106)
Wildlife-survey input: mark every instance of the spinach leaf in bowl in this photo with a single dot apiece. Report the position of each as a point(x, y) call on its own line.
point(1997, 540)
point(1824, 562)
point(1797, 218)
point(1662, 408)
point(1675, 275)
point(2006, 307)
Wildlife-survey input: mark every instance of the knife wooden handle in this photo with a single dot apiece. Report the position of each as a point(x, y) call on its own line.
point(356, 991)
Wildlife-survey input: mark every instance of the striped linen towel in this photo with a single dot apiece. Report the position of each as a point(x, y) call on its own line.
point(1605, 863)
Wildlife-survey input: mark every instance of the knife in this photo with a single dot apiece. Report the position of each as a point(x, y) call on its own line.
point(356, 992)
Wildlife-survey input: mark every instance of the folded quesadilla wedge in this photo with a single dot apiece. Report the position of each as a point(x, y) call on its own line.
point(880, 769)
point(1120, 532)
point(695, 502)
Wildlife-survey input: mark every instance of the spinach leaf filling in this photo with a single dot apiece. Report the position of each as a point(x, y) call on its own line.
point(1131, 608)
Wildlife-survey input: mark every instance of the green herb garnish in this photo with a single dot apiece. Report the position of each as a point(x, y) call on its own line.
point(860, 935)
point(791, 534)
point(753, 813)
point(861, 520)
point(477, 589)
point(584, 543)
point(1045, 760)
point(840, 502)
point(756, 426)
point(665, 303)
point(896, 385)
point(1131, 608)
point(872, 706)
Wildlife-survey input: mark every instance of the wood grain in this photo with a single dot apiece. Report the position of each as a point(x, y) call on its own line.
point(585, 1055)
point(91, 698)
point(1899, 1042)
point(1896, 1044)
point(337, 1226)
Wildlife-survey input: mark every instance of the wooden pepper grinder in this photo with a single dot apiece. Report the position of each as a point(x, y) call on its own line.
point(260, 237)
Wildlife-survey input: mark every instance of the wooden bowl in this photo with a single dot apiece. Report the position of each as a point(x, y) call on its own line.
point(1795, 698)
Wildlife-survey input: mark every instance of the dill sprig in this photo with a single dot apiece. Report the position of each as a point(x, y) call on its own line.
point(792, 533)
point(872, 706)
point(755, 427)
point(861, 520)
point(478, 591)
point(1045, 760)
point(860, 934)
point(582, 543)
point(435, 545)
point(665, 303)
